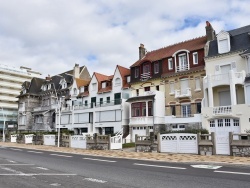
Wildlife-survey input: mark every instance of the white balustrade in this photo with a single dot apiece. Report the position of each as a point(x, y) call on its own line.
point(221, 110)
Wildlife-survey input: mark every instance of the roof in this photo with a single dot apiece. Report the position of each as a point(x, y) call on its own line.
point(105, 90)
point(71, 72)
point(239, 41)
point(191, 45)
point(102, 77)
point(194, 69)
point(124, 73)
point(34, 86)
point(81, 82)
point(83, 94)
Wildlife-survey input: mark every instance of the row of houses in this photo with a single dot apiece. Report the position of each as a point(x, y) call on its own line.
point(199, 83)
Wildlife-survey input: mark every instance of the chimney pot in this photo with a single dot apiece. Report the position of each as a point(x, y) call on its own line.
point(142, 51)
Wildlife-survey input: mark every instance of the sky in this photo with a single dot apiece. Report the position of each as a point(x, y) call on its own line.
point(51, 36)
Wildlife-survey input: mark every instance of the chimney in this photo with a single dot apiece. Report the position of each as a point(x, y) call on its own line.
point(210, 33)
point(48, 78)
point(76, 71)
point(142, 51)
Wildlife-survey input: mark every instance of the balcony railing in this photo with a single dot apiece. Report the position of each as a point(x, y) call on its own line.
point(182, 68)
point(222, 110)
point(182, 94)
point(145, 76)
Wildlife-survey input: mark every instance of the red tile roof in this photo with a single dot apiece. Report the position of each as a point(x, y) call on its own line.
point(105, 90)
point(83, 94)
point(124, 73)
point(168, 51)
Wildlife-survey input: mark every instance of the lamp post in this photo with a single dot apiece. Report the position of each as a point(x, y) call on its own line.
point(59, 122)
point(3, 125)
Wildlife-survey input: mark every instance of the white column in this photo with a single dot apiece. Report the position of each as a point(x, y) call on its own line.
point(232, 88)
point(210, 91)
point(146, 108)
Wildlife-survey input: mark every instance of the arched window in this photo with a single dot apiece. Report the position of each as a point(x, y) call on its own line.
point(117, 82)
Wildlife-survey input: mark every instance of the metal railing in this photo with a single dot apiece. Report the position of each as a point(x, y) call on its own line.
point(182, 68)
point(145, 76)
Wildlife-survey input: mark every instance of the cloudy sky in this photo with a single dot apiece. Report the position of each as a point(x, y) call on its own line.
point(50, 36)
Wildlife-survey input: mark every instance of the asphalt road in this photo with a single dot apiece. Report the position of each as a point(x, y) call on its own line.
point(36, 168)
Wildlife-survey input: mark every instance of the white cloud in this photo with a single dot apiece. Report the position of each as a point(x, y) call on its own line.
point(51, 36)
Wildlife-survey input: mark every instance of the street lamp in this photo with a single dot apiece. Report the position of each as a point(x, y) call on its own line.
point(3, 125)
point(59, 121)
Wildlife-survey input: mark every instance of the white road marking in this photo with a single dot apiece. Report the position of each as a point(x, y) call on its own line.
point(35, 151)
point(11, 161)
point(100, 160)
point(55, 184)
point(16, 149)
point(181, 168)
point(14, 164)
point(228, 172)
point(95, 180)
point(39, 174)
point(42, 168)
point(206, 166)
point(61, 155)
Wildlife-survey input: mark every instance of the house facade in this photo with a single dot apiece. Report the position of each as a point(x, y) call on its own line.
point(40, 99)
point(101, 104)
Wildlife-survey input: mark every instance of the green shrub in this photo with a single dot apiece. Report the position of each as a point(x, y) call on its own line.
point(128, 145)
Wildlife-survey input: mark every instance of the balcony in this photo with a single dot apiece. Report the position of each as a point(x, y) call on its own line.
point(182, 68)
point(146, 120)
point(224, 79)
point(183, 94)
point(222, 110)
point(145, 76)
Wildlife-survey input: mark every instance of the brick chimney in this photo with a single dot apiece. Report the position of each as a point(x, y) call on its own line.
point(210, 33)
point(48, 78)
point(76, 71)
point(142, 51)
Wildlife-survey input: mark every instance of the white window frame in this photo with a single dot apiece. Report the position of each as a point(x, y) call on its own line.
point(94, 86)
point(187, 109)
point(195, 60)
point(170, 64)
point(117, 81)
point(104, 84)
point(183, 63)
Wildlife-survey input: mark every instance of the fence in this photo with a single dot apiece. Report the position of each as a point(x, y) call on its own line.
point(49, 140)
point(239, 144)
point(116, 142)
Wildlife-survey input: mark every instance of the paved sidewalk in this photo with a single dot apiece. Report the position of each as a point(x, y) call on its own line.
point(130, 154)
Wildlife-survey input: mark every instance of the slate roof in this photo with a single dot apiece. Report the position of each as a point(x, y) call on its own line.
point(34, 86)
point(71, 72)
point(168, 51)
point(239, 40)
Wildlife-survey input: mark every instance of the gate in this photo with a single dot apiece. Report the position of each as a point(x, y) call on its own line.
point(116, 142)
point(49, 140)
point(78, 141)
point(179, 143)
point(28, 139)
point(13, 138)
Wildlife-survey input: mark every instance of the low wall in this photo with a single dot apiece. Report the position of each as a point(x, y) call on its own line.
point(98, 142)
point(146, 143)
point(206, 144)
point(240, 145)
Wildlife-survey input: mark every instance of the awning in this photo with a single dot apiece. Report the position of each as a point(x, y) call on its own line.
point(141, 98)
point(43, 112)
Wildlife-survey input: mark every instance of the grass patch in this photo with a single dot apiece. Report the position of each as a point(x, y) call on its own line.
point(128, 145)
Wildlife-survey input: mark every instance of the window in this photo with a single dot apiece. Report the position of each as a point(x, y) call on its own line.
point(195, 58)
point(227, 122)
point(128, 79)
point(146, 68)
point(223, 46)
point(197, 83)
point(82, 89)
point(108, 99)
point(136, 72)
point(220, 122)
point(101, 101)
point(137, 92)
point(157, 88)
point(94, 87)
point(147, 88)
point(138, 109)
point(86, 103)
point(39, 119)
point(236, 122)
point(186, 110)
point(170, 64)
point(198, 108)
point(103, 84)
point(171, 87)
point(75, 91)
point(172, 107)
point(184, 86)
point(117, 82)
point(156, 67)
point(212, 123)
point(183, 61)
point(150, 108)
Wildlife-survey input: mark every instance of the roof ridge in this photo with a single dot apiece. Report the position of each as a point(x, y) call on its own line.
point(178, 43)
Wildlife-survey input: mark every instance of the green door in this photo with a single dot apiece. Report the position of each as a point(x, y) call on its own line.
point(117, 98)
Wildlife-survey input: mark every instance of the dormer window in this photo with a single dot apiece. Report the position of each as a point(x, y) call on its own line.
point(170, 64)
point(128, 79)
point(156, 67)
point(195, 58)
point(136, 72)
point(82, 89)
point(75, 91)
point(103, 84)
point(223, 40)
